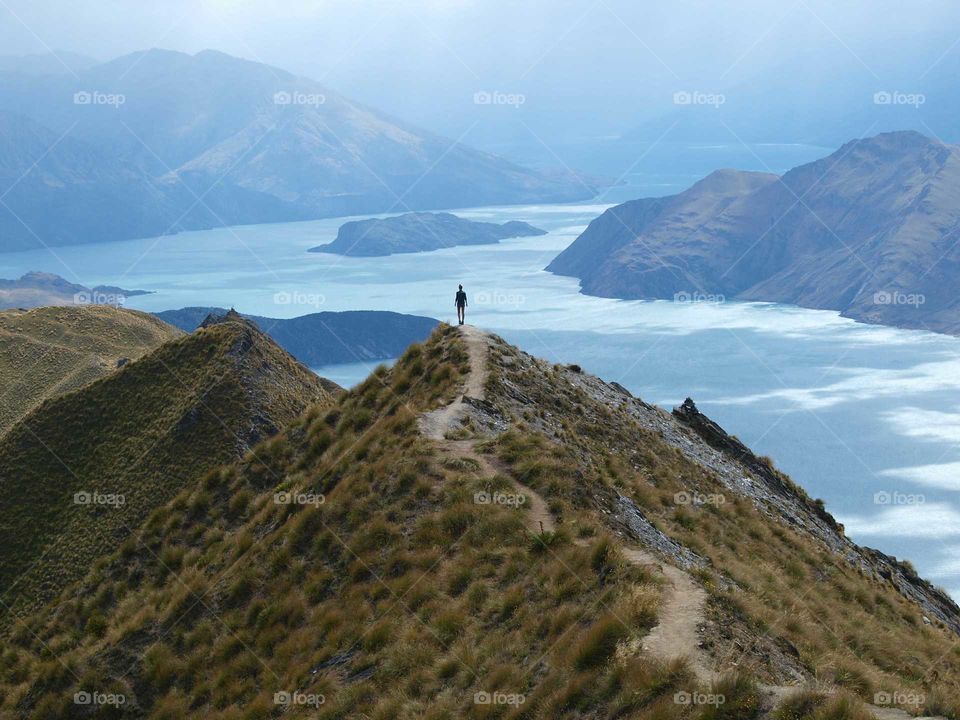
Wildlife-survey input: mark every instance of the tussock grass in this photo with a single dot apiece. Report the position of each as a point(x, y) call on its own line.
point(397, 596)
point(790, 595)
point(129, 443)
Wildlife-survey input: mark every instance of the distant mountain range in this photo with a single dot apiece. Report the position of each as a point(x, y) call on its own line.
point(326, 338)
point(37, 289)
point(872, 231)
point(158, 142)
point(420, 232)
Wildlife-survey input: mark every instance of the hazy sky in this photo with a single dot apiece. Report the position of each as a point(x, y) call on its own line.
point(421, 59)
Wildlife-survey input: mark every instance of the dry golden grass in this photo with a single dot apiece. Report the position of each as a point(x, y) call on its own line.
point(50, 351)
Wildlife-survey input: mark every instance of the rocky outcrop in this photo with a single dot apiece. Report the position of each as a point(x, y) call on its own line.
point(796, 507)
point(706, 444)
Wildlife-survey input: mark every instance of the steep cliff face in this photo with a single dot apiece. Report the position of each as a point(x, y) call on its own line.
point(869, 231)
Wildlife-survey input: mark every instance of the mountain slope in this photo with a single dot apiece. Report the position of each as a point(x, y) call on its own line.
point(79, 473)
point(358, 566)
point(869, 231)
point(57, 189)
point(227, 141)
point(327, 338)
point(48, 352)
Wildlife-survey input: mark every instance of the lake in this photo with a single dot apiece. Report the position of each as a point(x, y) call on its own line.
point(867, 418)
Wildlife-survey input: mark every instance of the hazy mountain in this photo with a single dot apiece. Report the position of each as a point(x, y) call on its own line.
point(35, 289)
point(160, 141)
point(58, 190)
point(326, 338)
point(574, 548)
point(135, 438)
point(419, 232)
point(48, 352)
point(870, 231)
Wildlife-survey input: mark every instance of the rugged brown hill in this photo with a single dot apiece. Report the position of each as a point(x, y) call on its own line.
point(476, 533)
point(870, 231)
point(80, 472)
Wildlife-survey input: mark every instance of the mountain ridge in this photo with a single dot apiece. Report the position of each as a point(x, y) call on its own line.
point(135, 436)
point(47, 352)
point(231, 142)
point(326, 338)
point(405, 501)
point(866, 232)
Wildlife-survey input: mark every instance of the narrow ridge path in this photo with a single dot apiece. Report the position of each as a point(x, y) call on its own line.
point(682, 610)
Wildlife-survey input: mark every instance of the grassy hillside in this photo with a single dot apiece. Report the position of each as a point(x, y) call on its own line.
point(46, 352)
point(347, 568)
point(791, 601)
point(81, 472)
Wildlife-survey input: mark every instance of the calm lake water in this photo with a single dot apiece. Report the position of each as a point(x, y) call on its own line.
point(867, 418)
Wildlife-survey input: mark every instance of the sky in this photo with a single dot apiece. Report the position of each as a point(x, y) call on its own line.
point(589, 66)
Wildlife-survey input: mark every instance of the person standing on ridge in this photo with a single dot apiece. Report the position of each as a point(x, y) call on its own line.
point(461, 302)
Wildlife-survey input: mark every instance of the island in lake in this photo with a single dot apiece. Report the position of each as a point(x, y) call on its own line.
point(420, 232)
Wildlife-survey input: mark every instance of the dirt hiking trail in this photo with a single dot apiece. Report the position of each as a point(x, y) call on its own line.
point(682, 612)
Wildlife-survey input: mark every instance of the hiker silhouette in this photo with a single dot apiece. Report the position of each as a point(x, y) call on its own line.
point(461, 302)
